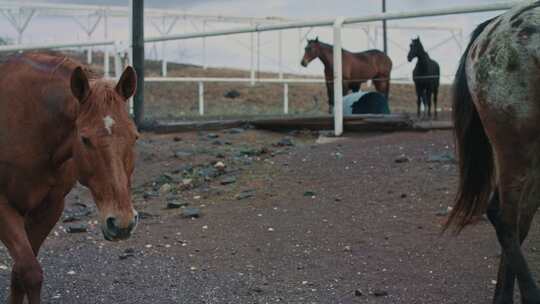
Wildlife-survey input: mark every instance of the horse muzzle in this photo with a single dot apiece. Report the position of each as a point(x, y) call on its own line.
point(303, 63)
point(113, 231)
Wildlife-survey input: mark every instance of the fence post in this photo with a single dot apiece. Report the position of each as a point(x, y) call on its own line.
point(201, 98)
point(285, 98)
point(338, 78)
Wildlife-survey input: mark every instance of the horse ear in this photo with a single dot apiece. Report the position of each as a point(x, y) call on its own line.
point(127, 84)
point(80, 88)
point(317, 39)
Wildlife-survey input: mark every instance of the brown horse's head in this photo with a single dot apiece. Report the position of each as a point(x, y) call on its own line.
point(104, 148)
point(416, 49)
point(312, 51)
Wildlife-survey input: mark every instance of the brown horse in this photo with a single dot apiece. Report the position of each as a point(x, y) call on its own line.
point(60, 125)
point(357, 68)
point(496, 118)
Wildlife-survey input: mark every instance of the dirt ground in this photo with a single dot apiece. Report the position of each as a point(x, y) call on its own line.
point(308, 220)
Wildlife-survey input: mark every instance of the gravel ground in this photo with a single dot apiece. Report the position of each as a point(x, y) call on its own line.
point(349, 220)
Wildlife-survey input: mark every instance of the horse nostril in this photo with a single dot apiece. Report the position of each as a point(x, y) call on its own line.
point(111, 224)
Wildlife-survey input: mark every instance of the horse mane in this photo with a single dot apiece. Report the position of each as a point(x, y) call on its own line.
point(329, 45)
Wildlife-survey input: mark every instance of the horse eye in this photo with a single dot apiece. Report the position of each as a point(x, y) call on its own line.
point(86, 141)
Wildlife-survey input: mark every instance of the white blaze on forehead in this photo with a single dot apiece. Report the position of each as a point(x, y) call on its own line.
point(108, 121)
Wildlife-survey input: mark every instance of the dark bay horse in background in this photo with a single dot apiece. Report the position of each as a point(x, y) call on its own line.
point(426, 76)
point(497, 128)
point(357, 68)
point(60, 125)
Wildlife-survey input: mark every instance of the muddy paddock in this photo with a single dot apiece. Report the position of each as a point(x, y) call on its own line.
point(245, 216)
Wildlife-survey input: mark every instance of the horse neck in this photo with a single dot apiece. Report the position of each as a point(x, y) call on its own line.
point(423, 56)
point(326, 55)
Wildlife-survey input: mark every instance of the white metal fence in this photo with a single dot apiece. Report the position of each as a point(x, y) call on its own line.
point(336, 23)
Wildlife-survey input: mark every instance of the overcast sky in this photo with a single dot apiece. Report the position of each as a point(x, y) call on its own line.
point(233, 50)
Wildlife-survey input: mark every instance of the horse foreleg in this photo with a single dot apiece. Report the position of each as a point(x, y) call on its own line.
point(330, 91)
point(26, 275)
point(428, 102)
point(41, 221)
point(435, 93)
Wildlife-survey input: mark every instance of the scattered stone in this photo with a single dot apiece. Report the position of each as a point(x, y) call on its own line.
point(177, 138)
point(232, 94)
point(252, 151)
point(337, 199)
point(285, 142)
point(182, 154)
point(208, 172)
point(380, 293)
point(220, 166)
point(220, 155)
point(184, 169)
point(228, 180)
point(176, 204)
point(402, 159)
point(236, 131)
point(128, 253)
point(443, 212)
point(145, 215)
point(191, 212)
point(150, 194)
point(212, 135)
point(445, 157)
point(257, 289)
point(77, 228)
point(309, 193)
point(245, 194)
point(358, 293)
point(165, 188)
point(403, 195)
point(76, 212)
point(218, 142)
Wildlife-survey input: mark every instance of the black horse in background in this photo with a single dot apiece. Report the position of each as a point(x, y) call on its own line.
point(426, 76)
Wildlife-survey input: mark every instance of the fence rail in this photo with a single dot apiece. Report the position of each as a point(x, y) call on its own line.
point(336, 23)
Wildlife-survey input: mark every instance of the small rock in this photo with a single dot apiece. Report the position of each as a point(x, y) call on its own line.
point(443, 212)
point(236, 131)
point(445, 157)
point(403, 195)
point(182, 154)
point(191, 212)
point(228, 180)
point(380, 293)
point(309, 193)
point(217, 142)
point(285, 142)
point(145, 215)
point(176, 204)
point(150, 194)
point(165, 188)
point(257, 289)
point(212, 135)
point(220, 166)
point(402, 159)
point(177, 138)
point(358, 293)
point(126, 255)
point(3, 267)
point(232, 94)
point(79, 228)
point(245, 194)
